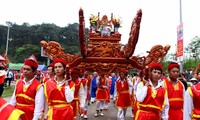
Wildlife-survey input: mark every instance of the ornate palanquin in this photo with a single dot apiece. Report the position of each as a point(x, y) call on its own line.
point(103, 53)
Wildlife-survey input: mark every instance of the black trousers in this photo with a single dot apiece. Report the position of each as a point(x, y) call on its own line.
point(1, 89)
point(8, 80)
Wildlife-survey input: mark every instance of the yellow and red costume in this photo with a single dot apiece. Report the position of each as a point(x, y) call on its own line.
point(101, 94)
point(123, 98)
point(59, 108)
point(175, 96)
point(108, 90)
point(151, 107)
point(89, 79)
point(8, 112)
point(191, 103)
point(76, 103)
point(25, 97)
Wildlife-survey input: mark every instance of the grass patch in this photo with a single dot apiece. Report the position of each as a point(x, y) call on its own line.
point(8, 91)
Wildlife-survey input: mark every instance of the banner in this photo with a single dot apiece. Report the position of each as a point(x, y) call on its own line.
point(180, 48)
point(43, 52)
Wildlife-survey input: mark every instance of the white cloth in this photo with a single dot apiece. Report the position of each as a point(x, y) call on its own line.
point(121, 113)
point(39, 100)
point(82, 96)
point(141, 94)
point(99, 105)
point(9, 74)
point(188, 106)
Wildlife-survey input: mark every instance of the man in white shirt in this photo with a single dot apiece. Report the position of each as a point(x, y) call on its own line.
point(28, 95)
point(152, 96)
point(9, 78)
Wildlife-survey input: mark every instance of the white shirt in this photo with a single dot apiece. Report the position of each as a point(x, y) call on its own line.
point(188, 106)
point(82, 96)
point(39, 100)
point(82, 93)
point(141, 94)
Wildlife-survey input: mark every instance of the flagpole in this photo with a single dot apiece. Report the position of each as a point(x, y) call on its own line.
point(181, 61)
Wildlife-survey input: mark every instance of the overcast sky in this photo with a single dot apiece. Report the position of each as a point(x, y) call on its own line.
point(158, 26)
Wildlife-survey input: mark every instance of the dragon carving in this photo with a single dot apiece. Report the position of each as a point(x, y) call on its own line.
point(133, 35)
point(103, 53)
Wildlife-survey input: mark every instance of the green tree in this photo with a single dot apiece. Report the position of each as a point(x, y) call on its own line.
point(25, 51)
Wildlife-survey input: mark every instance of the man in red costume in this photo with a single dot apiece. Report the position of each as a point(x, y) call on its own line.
point(28, 95)
point(59, 93)
point(87, 93)
point(79, 93)
point(151, 96)
point(50, 73)
point(2, 77)
point(175, 90)
point(101, 94)
point(8, 112)
point(83, 77)
point(191, 102)
point(122, 98)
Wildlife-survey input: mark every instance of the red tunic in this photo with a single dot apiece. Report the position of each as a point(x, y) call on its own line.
point(75, 103)
point(108, 90)
point(196, 98)
point(175, 96)
point(88, 82)
point(8, 112)
point(59, 108)
point(102, 94)
point(25, 97)
point(123, 99)
point(151, 107)
point(45, 79)
point(84, 81)
point(2, 79)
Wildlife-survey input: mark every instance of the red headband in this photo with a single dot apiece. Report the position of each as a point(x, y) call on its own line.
point(154, 65)
point(75, 71)
point(82, 69)
point(172, 65)
point(122, 71)
point(59, 60)
point(51, 65)
point(31, 63)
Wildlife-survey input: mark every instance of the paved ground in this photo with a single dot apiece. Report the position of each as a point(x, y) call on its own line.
point(109, 114)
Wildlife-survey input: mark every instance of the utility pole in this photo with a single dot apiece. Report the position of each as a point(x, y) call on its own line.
point(7, 38)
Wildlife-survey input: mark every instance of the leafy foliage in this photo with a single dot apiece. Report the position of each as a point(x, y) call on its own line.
point(192, 55)
point(24, 39)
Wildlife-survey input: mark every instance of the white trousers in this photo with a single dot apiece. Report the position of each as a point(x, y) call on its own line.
point(121, 113)
point(99, 105)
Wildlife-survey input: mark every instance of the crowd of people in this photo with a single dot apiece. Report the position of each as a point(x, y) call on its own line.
point(66, 93)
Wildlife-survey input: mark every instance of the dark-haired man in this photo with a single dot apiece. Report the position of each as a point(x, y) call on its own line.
point(152, 97)
point(28, 95)
point(175, 90)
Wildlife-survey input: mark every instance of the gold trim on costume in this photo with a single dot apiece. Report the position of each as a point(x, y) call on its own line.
point(149, 105)
point(25, 96)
